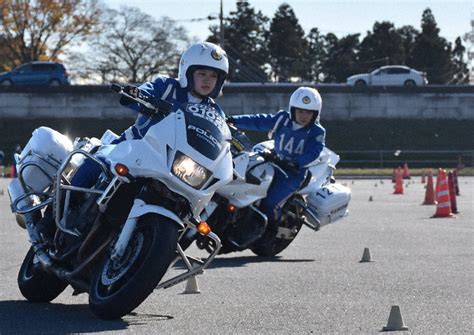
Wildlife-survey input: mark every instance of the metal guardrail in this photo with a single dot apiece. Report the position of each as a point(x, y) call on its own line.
point(266, 87)
point(415, 158)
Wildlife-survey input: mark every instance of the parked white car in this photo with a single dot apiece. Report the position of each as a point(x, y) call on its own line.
point(391, 75)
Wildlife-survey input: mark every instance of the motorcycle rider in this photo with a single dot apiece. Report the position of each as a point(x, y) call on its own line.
point(202, 71)
point(299, 139)
point(203, 68)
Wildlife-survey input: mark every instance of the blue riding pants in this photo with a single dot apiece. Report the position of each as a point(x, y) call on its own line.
point(280, 190)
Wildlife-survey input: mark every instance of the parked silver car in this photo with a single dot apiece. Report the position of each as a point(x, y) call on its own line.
point(391, 75)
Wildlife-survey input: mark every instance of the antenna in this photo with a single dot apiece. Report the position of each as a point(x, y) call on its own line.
point(221, 32)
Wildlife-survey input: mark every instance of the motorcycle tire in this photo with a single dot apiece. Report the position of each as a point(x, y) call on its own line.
point(118, 287)
point(35, 284)
point(270, 245)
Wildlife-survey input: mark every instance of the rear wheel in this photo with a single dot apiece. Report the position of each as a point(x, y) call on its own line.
point(6, 82)
point(54, 82)
point(35, 284)
point(119, 286)
point(360, 83)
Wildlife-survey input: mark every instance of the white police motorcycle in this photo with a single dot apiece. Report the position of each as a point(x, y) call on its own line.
point(117, 239)
point(234, 214)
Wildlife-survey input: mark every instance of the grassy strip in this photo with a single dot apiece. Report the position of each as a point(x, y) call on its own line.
point(469, 171)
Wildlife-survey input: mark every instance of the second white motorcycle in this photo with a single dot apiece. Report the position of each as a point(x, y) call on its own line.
point(234, 214)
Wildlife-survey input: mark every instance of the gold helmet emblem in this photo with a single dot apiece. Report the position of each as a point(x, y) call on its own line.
point(306, 100)
point(216, 54)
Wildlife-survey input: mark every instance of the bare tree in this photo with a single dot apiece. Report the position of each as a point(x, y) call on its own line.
point(41, 29)
point(134, 47)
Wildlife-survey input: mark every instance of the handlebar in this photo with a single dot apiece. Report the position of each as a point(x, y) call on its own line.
point(159, 109)
point(282, 164)
point(116, 87)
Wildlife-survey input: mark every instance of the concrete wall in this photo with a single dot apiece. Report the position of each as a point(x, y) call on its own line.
point(339, 102)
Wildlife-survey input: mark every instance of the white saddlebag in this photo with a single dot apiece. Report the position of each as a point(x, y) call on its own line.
point(41, 158)
point(330, 203)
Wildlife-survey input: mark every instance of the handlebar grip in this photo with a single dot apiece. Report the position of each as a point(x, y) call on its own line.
point(115, 87)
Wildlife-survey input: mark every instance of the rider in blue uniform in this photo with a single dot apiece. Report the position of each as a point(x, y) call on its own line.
point(202, 70)
point(299, 139)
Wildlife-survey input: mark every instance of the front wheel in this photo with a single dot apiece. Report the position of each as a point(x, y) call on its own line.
point(275, 240)
point(118, 287)
point(54, 82)
point(271, 245)
point(35, 284)
point(6, 82)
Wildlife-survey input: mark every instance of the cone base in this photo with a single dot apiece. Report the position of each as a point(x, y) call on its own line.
point(191, 292)
point(450, 215)
point(430, 203)
point(389, 329)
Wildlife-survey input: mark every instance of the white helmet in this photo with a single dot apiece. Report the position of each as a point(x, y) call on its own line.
point(306, 98)
point(203, 55)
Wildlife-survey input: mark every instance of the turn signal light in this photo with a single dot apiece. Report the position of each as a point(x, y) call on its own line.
point(122, 170)
point(203, 228)
point(231, 208)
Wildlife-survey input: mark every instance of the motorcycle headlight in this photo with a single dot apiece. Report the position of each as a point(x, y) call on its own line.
point(189, 171)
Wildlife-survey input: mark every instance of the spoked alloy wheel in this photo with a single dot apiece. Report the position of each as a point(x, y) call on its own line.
point(35, 284)
point(119, 286)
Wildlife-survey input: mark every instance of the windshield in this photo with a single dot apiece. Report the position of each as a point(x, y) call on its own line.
point(240, 142)
point(206, 129)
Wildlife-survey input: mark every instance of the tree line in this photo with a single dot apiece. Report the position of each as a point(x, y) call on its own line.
point(101, 45)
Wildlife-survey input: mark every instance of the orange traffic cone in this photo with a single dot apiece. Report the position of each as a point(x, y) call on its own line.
point(429, 194)
point(452, 193)
point(406, 174)
point(456, 185)
point(443, 209)
point(437, 180)
point(398, 182)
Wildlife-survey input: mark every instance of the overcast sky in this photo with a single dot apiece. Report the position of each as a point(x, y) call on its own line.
point(339, 17)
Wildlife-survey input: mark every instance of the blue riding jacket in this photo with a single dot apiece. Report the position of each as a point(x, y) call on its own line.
point(302, 145)
point(164, 88)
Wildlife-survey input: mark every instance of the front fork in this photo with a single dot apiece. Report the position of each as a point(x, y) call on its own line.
point(140, 208)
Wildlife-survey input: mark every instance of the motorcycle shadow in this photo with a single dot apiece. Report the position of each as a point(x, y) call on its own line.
point(231, 262)
point(23, 317)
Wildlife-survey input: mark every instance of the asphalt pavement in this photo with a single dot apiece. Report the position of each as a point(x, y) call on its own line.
point(316, 286)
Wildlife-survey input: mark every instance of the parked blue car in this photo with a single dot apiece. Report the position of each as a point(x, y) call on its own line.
point(36, 73)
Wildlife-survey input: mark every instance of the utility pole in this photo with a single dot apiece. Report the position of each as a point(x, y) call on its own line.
point(221, 32)
point(469, 38)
